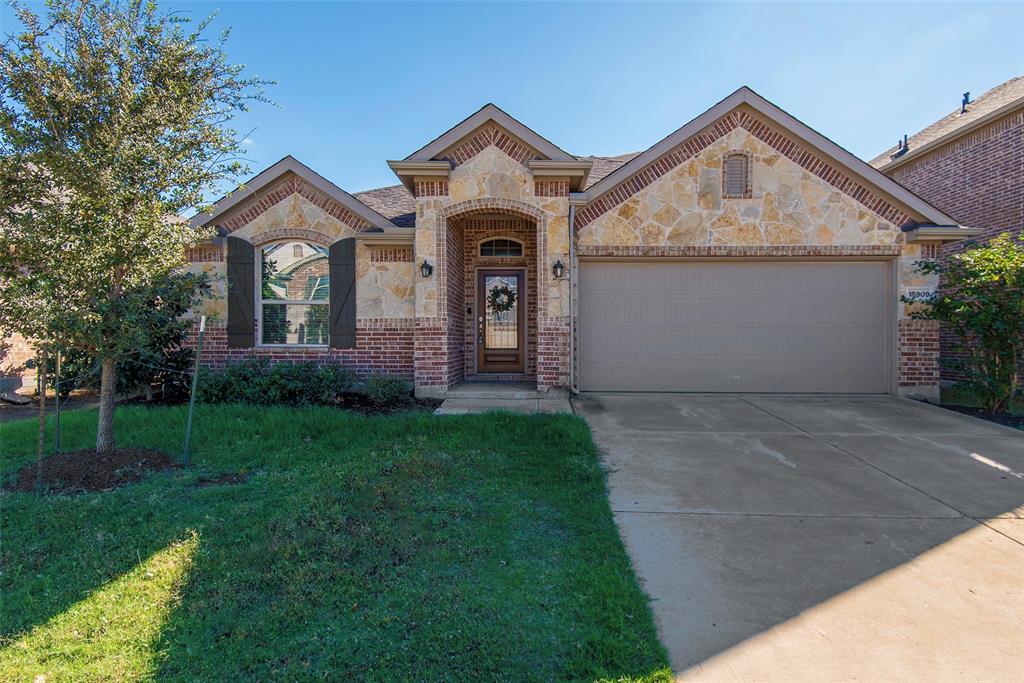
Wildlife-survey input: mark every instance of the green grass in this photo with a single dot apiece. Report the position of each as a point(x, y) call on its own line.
point(410, 547)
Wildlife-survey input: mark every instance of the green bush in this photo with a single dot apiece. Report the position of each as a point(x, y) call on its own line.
point(385, 391)
point(981, 302)
point(257, 382)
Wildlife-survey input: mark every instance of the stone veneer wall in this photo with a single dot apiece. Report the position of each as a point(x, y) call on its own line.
point(291, 209)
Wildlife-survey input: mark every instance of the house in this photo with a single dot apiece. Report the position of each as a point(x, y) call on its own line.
point(969, 164)
point(744, 252)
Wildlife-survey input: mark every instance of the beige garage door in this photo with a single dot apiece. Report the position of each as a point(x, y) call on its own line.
point(757, 326)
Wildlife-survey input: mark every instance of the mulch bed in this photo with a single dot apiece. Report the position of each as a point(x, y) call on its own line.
point(86, 471)
point(359, 403)
point(1016, 421)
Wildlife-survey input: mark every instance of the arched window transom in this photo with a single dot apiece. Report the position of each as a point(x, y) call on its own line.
point(501, 247)
point(294, 290)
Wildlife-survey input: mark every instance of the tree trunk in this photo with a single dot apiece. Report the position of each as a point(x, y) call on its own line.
point(41, 377)
point(105, 428)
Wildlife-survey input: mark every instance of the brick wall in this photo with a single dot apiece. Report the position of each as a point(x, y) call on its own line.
point(430, 353)
point(553, 353)
point(14, 353)
point(918, 354)
point(383, 345)
point(977, 179)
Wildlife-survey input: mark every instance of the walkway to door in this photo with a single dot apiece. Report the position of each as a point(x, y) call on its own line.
point(518, 397)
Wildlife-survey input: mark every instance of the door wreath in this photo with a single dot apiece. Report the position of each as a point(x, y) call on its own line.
point(501, 299)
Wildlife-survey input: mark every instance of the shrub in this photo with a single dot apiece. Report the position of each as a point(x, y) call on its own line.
point(385, 391)
point(255, 381)
point(982, 303)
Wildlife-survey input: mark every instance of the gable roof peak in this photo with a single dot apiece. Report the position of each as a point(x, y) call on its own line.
point(490, 113)
point(744, 95)
point(269, 175)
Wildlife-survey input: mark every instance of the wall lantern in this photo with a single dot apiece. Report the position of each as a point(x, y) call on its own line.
point(426, 269)
point(559, 269)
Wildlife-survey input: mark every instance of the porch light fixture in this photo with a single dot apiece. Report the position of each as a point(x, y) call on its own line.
point(426, 269)
point(559, 269)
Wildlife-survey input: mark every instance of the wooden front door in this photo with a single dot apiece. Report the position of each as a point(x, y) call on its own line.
point(500, 320)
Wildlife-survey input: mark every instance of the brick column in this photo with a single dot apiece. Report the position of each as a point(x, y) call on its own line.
point(918, 358)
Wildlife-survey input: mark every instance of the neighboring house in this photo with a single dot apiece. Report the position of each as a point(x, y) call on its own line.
point(969, 164)
point(744, 252)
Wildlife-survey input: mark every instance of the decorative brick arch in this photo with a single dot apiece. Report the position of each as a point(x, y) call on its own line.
point(501, 205)
point(278, 234)
point(492, 205)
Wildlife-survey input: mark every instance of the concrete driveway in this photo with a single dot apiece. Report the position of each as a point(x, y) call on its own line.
point(821, 538)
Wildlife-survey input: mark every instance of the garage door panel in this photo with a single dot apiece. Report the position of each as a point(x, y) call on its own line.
point(734, 326)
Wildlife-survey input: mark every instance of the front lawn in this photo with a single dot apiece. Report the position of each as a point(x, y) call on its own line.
point(409, 547)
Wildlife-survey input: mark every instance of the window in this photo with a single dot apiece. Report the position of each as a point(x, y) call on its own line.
point(736, 175)
point(501, 247)
point(294, 291)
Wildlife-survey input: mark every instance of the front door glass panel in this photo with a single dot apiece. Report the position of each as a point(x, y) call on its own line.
point(501, 321)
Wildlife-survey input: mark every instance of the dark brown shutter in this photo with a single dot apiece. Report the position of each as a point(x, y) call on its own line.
point(343, 294)
point(241, 293)
point(736, 175)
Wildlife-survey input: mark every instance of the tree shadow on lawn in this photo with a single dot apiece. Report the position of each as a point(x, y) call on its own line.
point(402, 547)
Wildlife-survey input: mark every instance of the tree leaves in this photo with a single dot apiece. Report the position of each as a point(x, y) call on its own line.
point(981, 300)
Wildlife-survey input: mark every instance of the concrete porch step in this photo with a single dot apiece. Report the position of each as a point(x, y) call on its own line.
point(496, 390)
point(470, 406)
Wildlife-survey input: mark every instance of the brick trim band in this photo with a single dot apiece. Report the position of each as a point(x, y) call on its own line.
point(487, 136)
point(890, 250)
point(267, 198)
point(390, 254)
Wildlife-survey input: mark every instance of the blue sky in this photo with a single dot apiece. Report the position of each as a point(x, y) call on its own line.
point(358, 84)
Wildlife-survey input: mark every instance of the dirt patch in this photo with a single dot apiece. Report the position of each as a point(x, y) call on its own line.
point(1015, 421)
point(225, 479)
point(86, 471)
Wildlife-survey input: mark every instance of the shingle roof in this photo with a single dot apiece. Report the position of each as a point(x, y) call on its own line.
point(605, 165)
point(393, 202)
point(993, 99)
point(397, 204)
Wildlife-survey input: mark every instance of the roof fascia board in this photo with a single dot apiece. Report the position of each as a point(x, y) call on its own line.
point(816, 140)
point(388, 236)
point(953, 135)
point(293, 165)
point(408, 170)
point(940, 233)
point(576, 171)
point(490, 113)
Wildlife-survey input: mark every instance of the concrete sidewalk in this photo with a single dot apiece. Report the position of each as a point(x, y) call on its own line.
point(821, 538)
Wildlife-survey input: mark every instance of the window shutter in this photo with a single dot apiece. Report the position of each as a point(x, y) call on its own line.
point(241, 293)
point(343, 294)
point(736, 175)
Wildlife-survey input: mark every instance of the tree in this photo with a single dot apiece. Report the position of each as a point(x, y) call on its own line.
point(162, 328)
point(113, 122)
point(981, 301)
